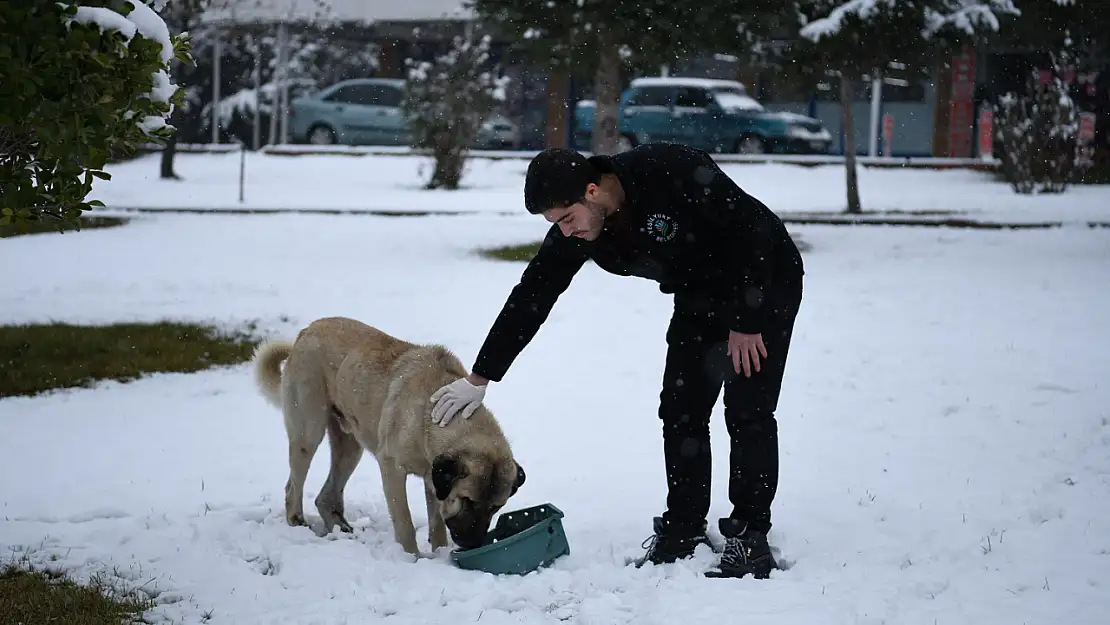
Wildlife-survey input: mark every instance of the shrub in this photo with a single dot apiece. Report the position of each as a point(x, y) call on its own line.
point(446, 100)
point(93, 81)
point(1039, 132)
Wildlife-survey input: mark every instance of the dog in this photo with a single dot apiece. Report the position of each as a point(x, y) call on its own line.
point(369, 390)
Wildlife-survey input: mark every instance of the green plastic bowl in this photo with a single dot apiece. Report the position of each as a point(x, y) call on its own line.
point(521, 542)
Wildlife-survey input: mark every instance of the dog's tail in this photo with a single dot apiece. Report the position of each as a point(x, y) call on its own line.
point(268, 357)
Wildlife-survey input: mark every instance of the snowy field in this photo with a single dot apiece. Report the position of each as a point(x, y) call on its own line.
point(389, 183)
point(945, 424)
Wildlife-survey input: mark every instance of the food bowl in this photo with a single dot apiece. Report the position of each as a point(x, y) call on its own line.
point(521, 542)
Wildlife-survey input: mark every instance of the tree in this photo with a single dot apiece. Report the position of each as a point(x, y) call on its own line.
point(1039, 131)
point(856, 39)
point(446, 101)
point(182, 16)
point(602, 37)
point(93, 81)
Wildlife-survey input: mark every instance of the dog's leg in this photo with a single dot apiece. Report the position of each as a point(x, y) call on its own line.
point(345, 456)
point(396, 498)
point(306, 418)
point(437, 529)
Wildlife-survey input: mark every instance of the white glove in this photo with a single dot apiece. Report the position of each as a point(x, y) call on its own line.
point(457, 396)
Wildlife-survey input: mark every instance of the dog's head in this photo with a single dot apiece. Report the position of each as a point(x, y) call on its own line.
point(471, 488)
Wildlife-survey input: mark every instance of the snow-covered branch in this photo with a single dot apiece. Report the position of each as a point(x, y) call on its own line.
point(141, 20)
point(969, 16)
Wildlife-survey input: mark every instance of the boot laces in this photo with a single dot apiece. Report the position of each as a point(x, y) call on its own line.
point(736, 552)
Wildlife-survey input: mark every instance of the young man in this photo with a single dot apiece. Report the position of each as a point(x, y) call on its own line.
point(668, 213)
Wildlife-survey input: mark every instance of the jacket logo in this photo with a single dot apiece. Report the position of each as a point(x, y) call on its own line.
point(661, 227)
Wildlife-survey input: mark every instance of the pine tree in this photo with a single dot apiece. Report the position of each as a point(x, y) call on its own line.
point(854, 40)
point(601, 37)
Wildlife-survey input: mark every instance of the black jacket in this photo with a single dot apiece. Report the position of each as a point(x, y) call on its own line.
point(685, 224)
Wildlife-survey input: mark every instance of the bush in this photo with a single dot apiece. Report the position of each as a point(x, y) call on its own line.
point(1038, 132)
point(447, 100)
point(93, 81)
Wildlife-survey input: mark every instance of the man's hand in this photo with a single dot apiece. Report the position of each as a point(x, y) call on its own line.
point(745, 350)
point(458, 396)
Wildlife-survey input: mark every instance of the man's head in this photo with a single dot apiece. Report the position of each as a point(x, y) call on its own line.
point(569, 190)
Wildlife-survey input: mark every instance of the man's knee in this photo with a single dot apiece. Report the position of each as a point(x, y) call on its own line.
point(751, 423)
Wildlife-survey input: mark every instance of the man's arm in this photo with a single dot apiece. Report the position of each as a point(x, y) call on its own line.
point(545, 278)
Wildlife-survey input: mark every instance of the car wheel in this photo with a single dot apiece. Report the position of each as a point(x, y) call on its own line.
point(321, 135)
point(751, 144)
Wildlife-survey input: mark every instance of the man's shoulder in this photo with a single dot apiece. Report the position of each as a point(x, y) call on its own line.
point(650, 161)
point(666, 150)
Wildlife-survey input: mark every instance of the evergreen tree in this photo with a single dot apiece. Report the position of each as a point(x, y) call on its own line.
point(602, 37)
point(853, 40)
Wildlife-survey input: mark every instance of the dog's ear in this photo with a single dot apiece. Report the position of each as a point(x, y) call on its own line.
point(520, 477)
point(445, 472)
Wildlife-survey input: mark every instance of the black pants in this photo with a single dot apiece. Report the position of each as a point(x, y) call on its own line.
point(697, 367)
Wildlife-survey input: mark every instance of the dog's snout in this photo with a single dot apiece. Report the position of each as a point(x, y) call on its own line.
point(468, 533)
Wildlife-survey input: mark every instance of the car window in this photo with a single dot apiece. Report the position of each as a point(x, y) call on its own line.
point(693, 97)
point(734, 101)
point(388, 96)
point(651, 96)
point(367, 95)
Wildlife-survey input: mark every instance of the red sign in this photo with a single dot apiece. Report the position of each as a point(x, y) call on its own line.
point(961, 105)
point(986, 133)
point(1086, 128)
point(888, 135)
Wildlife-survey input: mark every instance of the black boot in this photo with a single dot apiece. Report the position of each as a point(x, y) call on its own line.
point(671, 543)
point(746, 552)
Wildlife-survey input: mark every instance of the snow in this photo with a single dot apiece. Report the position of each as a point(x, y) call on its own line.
point(944, 425)
point(392, 183)
point(364, 11)
point(830, 24)
point(144, 21)
point(732, 101)
point(105, 19)
point(968, 16)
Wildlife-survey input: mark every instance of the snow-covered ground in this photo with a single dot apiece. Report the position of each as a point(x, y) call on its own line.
point(389, 183)
point(945, 423)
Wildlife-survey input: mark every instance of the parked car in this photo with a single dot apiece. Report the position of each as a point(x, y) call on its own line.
point(367, 111)
point(713, 115)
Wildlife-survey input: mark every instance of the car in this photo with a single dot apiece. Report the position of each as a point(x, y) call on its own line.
point(709, 114)
point(367, 111)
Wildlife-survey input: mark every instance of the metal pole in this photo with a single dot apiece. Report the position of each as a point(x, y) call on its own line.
point(217, 52)
point(876, 111)
point(256, 132)
point(275, 77)
point(283, 42)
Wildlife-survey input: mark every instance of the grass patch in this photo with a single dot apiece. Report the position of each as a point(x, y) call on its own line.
point(44, 357)
point(44, 227)
point(42, 596)
point(524, 253)
point(512, 253)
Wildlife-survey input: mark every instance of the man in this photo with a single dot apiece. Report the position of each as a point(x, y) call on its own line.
point(668, 213)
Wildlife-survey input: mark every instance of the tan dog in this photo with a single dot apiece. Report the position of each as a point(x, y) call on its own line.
point(369, 390)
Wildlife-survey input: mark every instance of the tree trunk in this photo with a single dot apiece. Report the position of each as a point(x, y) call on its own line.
point(607, 91)
point(846, 101)
point(168, 153)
